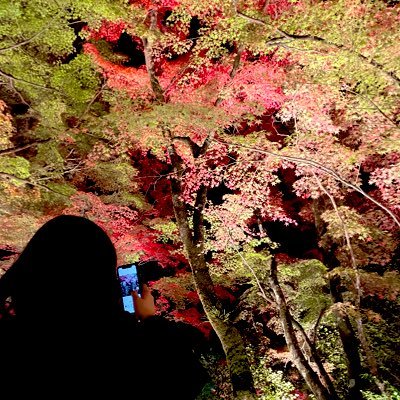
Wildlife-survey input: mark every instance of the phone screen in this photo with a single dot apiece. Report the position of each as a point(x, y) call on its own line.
point(129, 281)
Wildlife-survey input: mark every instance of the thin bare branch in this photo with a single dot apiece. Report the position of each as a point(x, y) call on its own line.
point(17, 92)
point(10, 177)
point(13, 78)
point(346, 234)
point(317, 322)
point(95, 97)
point(234, 70)
point(17, 149)
point(15, 46)
point(251, 269)
point(395, 123)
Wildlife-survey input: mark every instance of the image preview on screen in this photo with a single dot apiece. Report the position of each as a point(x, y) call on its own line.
point(129, 281)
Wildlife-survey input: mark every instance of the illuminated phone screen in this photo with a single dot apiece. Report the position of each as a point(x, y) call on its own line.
point(129, 281)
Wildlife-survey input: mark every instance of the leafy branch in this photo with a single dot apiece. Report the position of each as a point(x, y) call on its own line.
point(395, 123)
point(325, 379)
point(234, 70)
point(314, 38)
point(320, 167)
point(310, 376)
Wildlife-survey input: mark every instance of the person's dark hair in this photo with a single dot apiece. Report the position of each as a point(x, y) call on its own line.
point(68, 269)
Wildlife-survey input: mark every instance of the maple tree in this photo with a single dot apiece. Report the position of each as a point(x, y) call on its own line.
point(221, 121)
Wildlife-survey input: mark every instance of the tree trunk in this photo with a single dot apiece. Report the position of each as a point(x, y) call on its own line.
point(313, 354)
point(147, 49)
point(311, 378)
point(350, 345)
point(347, 334)
point(193, 241)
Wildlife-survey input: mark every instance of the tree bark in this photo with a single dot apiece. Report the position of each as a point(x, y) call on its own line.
point(193, 241)
point(13, 150)
point(154, 82)
point(309, 375)
point(324, 377)
point(350, 345)
point(347, 334)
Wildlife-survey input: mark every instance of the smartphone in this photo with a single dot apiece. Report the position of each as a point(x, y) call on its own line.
point(129, 280)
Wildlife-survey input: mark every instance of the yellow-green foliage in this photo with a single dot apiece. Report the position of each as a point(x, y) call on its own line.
point(78, 80)
point(353, 222)
point(168, 230)
point(6, 127)
point(62, 188)
point(131, 258)
point(365, 234)
point(151, 128)
point(49, 156)
point(124, 198)
point(392, 394)
point(94, 11)
point(16, 166)
point(351, 25)
point(113, 176)
point(55, 199)
point(306, 293)
point(41, 77)
point(51, 112)
point(270, 384)
point(244, 262)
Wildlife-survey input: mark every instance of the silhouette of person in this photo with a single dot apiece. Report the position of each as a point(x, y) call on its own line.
point(70, 335)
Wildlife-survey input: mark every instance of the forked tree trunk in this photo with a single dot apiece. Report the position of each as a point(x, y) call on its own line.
point(298, 358)
point(348, 336)
point(192, 237)
point(319, 366)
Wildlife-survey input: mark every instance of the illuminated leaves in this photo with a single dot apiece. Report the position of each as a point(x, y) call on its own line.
point(240, 85)
point(353, 221)
point(388, 181)
point(109, 31)
point(15, 166)
point(134, 81)
point(78, 79)
point(309, 106)
point(369, 233)
point(6, 127)
point(113, 176)
point(255, 89)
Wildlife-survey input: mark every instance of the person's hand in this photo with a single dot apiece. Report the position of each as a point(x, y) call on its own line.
point(144, 306)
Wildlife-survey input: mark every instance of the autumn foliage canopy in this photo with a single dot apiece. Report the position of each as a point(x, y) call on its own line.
point(255, 128)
